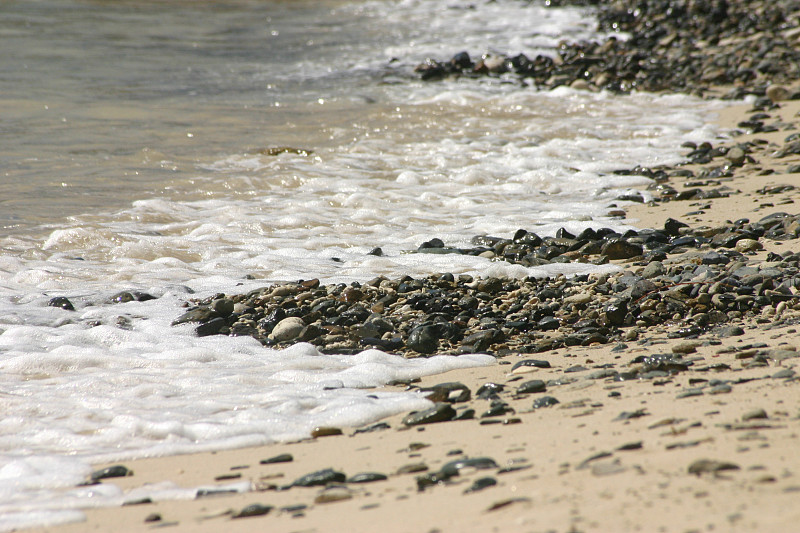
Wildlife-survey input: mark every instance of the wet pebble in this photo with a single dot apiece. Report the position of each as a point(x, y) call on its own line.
point(441, 412)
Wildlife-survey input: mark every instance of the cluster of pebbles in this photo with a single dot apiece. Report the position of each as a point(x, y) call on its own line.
point(669, 46)
point(695, 279)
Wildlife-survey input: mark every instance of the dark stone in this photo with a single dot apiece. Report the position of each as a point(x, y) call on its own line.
point(480, 484)
point(198, 314)
point(538, 363)
point(319, 478)
point(450, 392)
point(621, 249)
point(111, 472)
point(453, 468)
point(544, 401)
point(62, 302)
point(531, 387)
point(282, 458)
point(255, 509)
point(489, 390)
point(423, 339)
point(616, 312)
point(212, 327)
point(367, 477)
point(441, 412)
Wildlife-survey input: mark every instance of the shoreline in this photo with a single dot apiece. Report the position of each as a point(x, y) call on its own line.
point(706, 442)
point(710, 445)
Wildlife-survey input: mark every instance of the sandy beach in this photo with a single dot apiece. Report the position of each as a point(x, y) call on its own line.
point(711, 447)
point(640, 455)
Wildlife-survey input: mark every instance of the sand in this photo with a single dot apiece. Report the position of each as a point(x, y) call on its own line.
point(611, 456)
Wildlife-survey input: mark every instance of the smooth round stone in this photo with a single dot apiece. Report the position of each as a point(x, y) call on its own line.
point(580, 298)
point(748, 245)
point(736, 156)
point(778, 93)
point(653, 269)
point(223, 306)
point(288, 329)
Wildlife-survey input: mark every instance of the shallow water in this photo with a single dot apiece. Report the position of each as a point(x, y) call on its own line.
point(135, 155)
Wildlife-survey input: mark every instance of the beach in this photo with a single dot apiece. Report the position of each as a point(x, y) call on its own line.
point(639, 455)
point(659, 394)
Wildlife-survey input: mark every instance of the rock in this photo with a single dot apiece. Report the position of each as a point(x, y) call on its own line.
point(686, 347)
point(621, 249)
point(755, 414)
point(527, 364)
point(710, 466)
point(454, 468)
point(111, 472)
point(777, 93)
point(255, 509)
point(450, 392)
point(367, 477)
point(212, 327)
point(748, 245)
point(544, 401)
point(441, 412)
point(653, 269)
point(423, 339)
point(333, 494)
point(198, 314)
point(736, 156)
point(222, 306)
point(325, 432)
point(320, 477)
point(480, 484)
point(533, 386)
point(62, 302)
point(282, 458)
point(287, 329)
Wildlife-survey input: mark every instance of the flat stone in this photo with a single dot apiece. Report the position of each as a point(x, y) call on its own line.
point(441, 412)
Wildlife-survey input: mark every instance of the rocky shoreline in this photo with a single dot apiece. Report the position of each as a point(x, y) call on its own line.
point(661, 397)
point(671, 46)
point(695, 280)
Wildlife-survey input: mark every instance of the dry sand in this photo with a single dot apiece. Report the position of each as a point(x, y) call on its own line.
point(581, 465)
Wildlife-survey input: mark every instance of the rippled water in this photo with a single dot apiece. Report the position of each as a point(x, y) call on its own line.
point(136, 155)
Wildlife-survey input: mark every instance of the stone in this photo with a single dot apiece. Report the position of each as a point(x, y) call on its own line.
point(287, 329)
point(710, 466)
point(748, 245)
point(255, 509)
point(621, 249)
point(544, 401)
point(423, 339)
point(320, 478)
point(111, 472)
point(441, 412)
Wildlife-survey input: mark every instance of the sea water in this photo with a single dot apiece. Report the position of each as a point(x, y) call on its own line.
point(142, 150)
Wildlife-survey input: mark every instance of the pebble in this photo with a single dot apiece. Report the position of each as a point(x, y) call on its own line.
point(287, 329)
point(252, 510)
point(320, 477)
point(61, 302)
point(441, 412)
point(111, 472)
point(334, 494)
point(544, 401)
point(367, 477)
point(710, 466)
point(281, 458)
